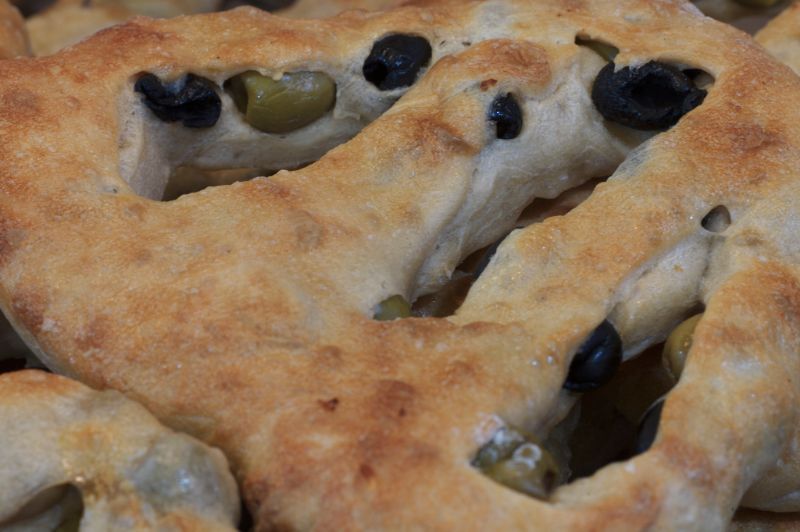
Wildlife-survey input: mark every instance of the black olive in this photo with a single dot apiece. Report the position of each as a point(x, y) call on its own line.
point(192, 100)
point(653, 96)
point(29, 8)
point(7, 365)
point(507, 116)
point(395, 61)
point(266, 5)
point(597, 359)
point(648, 427)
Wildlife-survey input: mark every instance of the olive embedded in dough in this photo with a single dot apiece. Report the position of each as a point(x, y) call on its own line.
point(518, 463)
point(395, 61)
point(648, 427)
point(677, 346)
point(284, 105)
point(653, 96)
point(392, 308)
point(507, 116)
point(190, 100)
point(597, 359)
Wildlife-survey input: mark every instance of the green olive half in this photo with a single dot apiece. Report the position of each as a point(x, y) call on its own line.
point(284, 105)
point(392, 308)
point(519, 463)
point(678, 344)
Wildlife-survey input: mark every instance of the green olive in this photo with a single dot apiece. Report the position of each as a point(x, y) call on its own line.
point(678, 344)
point(518, 463)
point(757, 3)
point(606, 51)
point(284, 105)
point(393, 308)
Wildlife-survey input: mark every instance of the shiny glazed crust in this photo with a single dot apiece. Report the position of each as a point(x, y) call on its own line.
point(132, 472)
point(241, 314)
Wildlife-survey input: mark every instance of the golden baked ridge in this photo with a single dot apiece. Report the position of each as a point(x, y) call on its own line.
point(243, 314)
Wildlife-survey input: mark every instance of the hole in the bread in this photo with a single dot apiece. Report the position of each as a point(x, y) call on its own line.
point(445, 301)
point(717, 220)
point(14, 354)
point(7, 365)
point(187, 180)
point(604, 50)
point(266, 5)
point(29, 8)
point(54, 508)
point(153, 147)
point(610, 416)
point(246, 523)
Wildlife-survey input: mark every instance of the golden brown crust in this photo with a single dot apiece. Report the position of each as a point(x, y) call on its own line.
point(67, 22)
point(782, 36)
point(241, 313)
point(13, 39)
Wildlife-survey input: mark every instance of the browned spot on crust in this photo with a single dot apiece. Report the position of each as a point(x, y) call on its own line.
point(487, 84)
point(366, 471)
point(92, 336)
point(330, 405)
point(136, 210)
point(143, 256)
point(29, 309)
point(10, 238)
point(393, 396)
point(308, 231)
point(686, 458)
point(328, 357)
point(524, 62)
point(458, 373)
point(751, 137)
point(21, 101)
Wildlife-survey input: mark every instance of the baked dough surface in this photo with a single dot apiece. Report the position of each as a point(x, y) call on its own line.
point(242, 314)
point(13, 39)
point(132, 473)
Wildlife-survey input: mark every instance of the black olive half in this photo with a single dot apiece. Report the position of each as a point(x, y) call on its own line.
point(648, 428)
point(651, 97)
point(266, 5)
point(395, 61)
point(191, 100)
point(507, 116)
point(596, 361)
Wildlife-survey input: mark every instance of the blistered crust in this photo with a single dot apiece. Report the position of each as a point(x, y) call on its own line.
point(242, 314)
